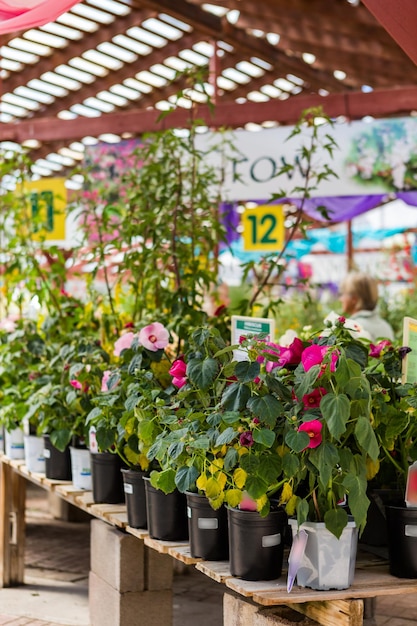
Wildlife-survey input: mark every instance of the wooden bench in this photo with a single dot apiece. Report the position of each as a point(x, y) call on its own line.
point(250, 604)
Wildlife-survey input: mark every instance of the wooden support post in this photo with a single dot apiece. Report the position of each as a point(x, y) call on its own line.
point(341, 612)
point(12, 526)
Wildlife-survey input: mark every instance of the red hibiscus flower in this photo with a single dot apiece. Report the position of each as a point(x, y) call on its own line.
point(313, 430)
point(312, 400)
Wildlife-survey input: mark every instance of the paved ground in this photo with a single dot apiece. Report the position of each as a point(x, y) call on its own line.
point(56, 574)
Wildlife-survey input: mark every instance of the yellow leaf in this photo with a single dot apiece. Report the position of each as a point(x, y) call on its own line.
point(286, 493)
point(201, 482)
point(216, 466)
point(372, 468)
point(233, 497)
point(239, 476)
point(281, 450)
point(242, 451)
point(213, 489)
point(260, 502)
point(217, 502)
point(222, 478)
point(291, 505)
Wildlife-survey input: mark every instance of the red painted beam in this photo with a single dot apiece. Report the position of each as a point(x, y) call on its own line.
point(399, 18)
point(353, 105)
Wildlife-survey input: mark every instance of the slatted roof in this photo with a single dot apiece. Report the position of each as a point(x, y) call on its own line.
point(107, 68)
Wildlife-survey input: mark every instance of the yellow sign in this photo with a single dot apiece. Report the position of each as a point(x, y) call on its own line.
point(263, 228)
point(48, 199)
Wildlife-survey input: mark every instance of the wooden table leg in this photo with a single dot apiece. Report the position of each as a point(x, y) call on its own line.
point(12, 526)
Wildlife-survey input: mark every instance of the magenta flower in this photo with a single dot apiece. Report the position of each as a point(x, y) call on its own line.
point(292, 354)
point(313, 430)
point(312, 400)
point(247, 503)
point(375, 350)
point(178, 372)
point(246, 439)
point(76, 384)
point(123, 343)
point(314, 355)
point(154, 337)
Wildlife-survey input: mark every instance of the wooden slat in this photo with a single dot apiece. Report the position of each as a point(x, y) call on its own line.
point(183, 554)
point(140, 533)
point(216, 570)
point(162, 546)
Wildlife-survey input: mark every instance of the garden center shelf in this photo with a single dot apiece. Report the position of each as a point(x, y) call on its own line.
point(371, 579)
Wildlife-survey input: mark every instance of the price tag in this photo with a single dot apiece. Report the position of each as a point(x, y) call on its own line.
point(263, 228)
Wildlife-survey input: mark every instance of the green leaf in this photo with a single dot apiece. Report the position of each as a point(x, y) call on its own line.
point(135, 364)
point(307, 381)
point(366, 437)
point(256, 487)
point(202, 372)
point(165, 480)
point(357, 499)
point(270, 468)
point(265, 437)
point(185, 478)
point(231, 459)
point(226, 437)
point(61, 438)
point(302, 511)
point(250, 463)
point(336, 412)
point(246, 372)
point(131, 402)
point(267, 408)
point(325, 458)
point(201, 443)
point(235, 397)
point(290, 465)
point(336, 520)
point(231, 417)
point(297, 440)
point(175, 449)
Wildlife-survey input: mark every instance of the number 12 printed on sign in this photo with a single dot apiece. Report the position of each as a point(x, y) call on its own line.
point(263, 228)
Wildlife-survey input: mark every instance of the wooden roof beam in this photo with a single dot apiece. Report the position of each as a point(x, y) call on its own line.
point(399, 19)
point(354, 105)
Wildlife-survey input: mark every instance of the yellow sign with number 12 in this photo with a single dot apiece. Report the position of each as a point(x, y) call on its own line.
point(263, 228)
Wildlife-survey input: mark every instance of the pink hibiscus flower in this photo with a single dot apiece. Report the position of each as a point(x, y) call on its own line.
point(154, 337)
point(105, 381)
point(123, 343)
point(313, 430)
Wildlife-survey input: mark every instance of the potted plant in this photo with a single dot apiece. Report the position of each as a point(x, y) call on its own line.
point(394, 407)
point(219, 440)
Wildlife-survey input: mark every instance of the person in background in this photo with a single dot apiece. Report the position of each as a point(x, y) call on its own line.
point(359, 299)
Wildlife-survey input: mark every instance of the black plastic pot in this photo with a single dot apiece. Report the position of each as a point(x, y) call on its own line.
point(166, 514)
point(57, 463)
point(402, 541)
point(207, 529)
point(256, 544)
point(134, 488)
point(375, 531)
point(107, 478)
